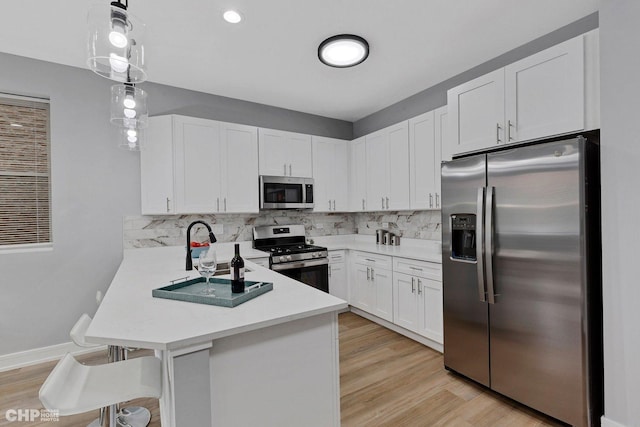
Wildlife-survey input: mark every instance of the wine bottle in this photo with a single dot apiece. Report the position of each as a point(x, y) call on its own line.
point(237, 272)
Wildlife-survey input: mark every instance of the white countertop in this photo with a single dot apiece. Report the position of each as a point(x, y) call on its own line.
point(422, 250)
point(130, 316)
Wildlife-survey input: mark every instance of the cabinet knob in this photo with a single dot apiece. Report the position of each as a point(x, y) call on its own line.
point(509, 126)
point(498, 133)
point(419, 287)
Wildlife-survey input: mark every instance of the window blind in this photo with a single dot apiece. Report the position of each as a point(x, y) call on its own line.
point(25, 214)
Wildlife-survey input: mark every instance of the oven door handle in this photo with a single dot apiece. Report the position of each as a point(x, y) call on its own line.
point(300, 264)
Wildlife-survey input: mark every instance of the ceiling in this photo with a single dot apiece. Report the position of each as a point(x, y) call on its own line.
point(271, 56)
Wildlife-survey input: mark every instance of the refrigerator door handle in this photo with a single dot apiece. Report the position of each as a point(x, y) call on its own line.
point(489, 245)
point(480, 244)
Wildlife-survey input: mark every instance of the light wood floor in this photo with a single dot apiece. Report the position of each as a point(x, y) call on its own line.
point(385, 380)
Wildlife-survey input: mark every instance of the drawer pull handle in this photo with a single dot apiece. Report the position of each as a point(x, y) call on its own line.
point(415, 268)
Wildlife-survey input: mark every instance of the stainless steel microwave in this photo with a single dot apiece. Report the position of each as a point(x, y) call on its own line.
point(286, 192)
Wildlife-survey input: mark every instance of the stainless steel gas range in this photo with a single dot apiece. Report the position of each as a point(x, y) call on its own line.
point(292, 256)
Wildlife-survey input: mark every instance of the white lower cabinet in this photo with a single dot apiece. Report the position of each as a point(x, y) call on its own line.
point(417, 296)
point(372, 289)
point(338, 277)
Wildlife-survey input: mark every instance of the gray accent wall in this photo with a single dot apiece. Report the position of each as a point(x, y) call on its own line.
point(94, 185)
point(620, 158)
point(436, 96)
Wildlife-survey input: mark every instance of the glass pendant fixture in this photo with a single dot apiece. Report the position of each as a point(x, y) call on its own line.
point(344, 50)
point(116, 43)
point(129, 113)
point(131, 139)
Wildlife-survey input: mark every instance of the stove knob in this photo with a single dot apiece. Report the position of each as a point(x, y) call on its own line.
point(283, 258)
point(316, 254)
point(288, 257)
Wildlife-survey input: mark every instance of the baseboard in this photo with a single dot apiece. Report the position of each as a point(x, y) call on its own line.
point(43, 354)
point(606, 422)
point(402, 331)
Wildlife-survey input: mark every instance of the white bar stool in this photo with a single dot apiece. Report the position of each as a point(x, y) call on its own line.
point(73, 388)
point(133, 416)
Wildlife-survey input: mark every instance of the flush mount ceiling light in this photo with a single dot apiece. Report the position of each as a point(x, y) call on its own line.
point(116, 43)
point(232, 16)
point(344, 50)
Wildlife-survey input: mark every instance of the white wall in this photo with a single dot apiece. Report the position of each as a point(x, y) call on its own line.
point(94, 184)
point(620, 149)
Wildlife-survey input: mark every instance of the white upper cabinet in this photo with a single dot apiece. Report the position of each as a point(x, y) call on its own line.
point(284, 153)
point(442, 136)
point(387, 159)
point(398, 195)
point(330, 174)
point(538, 96)
point(422, 166)
point(476, 113)
point(193, 165)
point(197, 154)
point(239, 167)
point(156, 168)
point(358, 175)
point(545, 92)
point(377, 169)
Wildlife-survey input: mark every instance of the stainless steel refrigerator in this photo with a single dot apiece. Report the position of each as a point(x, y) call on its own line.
point(522, 277)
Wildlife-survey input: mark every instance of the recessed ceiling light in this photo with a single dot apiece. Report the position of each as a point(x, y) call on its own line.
point(232, 17)
point(344, 50)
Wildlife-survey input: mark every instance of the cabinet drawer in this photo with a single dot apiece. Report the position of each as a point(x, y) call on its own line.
point(373, 260)
point(428, 270)
point(336, 256)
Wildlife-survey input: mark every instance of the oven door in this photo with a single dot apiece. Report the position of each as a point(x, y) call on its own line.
point(314, 273)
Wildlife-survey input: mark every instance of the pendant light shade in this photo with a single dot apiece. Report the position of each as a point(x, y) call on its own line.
point(129, 113)
point(116, 43)
point(129, 106)
point(131, 139)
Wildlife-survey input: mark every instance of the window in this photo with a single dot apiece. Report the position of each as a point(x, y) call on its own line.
point(25, 216)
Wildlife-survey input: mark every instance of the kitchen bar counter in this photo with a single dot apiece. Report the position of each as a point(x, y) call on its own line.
point(278, 348)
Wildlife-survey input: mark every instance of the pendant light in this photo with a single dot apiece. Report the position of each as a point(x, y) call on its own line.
point(129, 112)
point(116, 43)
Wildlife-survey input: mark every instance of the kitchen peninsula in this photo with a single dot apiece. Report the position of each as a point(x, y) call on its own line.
point(276, 354)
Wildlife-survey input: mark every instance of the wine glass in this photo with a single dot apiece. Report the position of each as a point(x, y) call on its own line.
point(207, 264)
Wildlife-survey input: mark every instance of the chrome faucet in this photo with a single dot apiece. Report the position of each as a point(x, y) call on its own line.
point(212, 238)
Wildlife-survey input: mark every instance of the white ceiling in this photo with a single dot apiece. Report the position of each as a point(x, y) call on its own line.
point(271, 57)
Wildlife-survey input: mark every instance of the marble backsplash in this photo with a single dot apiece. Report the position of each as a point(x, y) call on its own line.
point(170, 230)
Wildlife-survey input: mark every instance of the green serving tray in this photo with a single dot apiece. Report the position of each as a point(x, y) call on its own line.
point(191, 291)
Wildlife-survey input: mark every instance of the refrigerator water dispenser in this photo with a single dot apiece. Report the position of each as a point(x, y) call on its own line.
point(463, 237)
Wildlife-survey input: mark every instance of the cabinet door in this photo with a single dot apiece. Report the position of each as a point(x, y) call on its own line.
point(405, 301)
point(197, 154)
point(398, 169)
point(430, 309)
point(273, 152)
point(323, 171)
point(338, 284)
point(363, 295)
point(422, 160)
point(340, 174)
point(545, 92)
point(358, 178)
point(442, 133)
point(299, 155)
point(239, 168)
point(476, 114)
point(383, 289)
point(156, 168)
point(377, 170)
